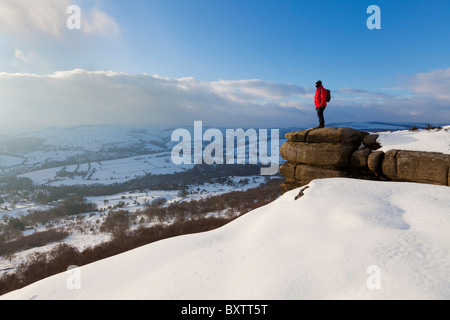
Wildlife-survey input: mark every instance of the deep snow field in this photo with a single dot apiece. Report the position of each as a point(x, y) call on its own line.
point(344, 239)
point(421, 140)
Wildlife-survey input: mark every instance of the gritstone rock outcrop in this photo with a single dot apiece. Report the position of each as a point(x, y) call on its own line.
point(344, 152)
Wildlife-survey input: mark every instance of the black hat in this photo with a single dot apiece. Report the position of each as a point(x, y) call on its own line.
point(319, 83)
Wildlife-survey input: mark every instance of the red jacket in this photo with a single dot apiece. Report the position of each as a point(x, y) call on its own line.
point(321, 97)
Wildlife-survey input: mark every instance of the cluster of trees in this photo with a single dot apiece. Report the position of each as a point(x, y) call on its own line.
point(71, 206)
point(11, 230)
point(63, 173)
point(12, 227)
point(12, 184)
point(117, 222)
point(34, 240)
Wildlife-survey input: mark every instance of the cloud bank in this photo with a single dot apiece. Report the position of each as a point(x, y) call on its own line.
point(79, 97)
point(84, 97)
point(433, 83)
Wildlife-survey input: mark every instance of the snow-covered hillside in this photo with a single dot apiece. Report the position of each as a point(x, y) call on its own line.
point(343, 239)
point(22, 152)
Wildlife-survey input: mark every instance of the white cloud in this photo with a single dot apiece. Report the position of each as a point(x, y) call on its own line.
point(24, 16)
point(97, 22)
point(48, 17)
point(435, 83)
point(249, 89)
point(418, 104)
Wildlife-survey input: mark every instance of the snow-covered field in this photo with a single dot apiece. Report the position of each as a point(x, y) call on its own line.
point(344, 239)
point(422, 140)
point(107, 172)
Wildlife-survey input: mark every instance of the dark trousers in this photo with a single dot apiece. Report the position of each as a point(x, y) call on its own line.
point(320, 111)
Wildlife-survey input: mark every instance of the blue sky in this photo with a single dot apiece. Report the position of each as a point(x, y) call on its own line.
point(289, 41)
point(232, 62)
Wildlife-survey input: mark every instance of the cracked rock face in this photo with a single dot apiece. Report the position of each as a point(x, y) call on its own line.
point(319, 154)
point(345, 152)
point(417, 166)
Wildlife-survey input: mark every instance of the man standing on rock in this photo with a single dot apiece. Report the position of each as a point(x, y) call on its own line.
point(321, 102)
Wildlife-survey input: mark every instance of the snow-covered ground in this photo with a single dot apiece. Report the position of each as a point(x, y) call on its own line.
point(422, 140)
point(107, 172)
point(344, 239)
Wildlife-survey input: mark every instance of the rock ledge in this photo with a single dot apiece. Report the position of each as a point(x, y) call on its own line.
point(345, 152)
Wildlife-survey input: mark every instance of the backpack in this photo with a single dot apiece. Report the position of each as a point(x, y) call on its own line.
point(328, 96)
